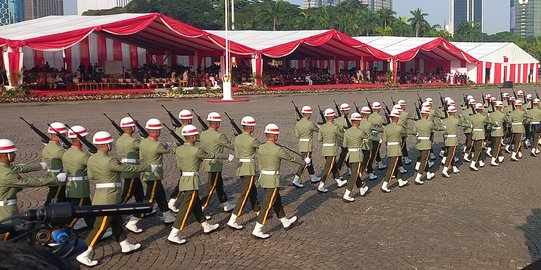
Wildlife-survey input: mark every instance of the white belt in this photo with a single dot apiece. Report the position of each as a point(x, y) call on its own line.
point(108, 185)
point(270, 172)
point(209, 159)
point(129, 160)
point(328, 144)
point(246, 160)
point(77, 178)
point(366, 140)
point(514, 124)
point(53, 171)
point(304, 140)
point(8, 202)
point(393, 143)
point(423, 138)
point(535, 123)
point(190, 173)
point(451, 136)
point(496, 128)
point(158, 165)
point(478, 129)
point(354, 149)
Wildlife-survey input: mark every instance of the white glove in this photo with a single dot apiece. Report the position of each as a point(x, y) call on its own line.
point(380, 141)
point(307, 160)
point(44, 166)
point(61, 177)
point(168, 144)
point(153, 168)
point(230, 157)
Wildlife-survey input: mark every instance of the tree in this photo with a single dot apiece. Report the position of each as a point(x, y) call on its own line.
point(418, 21)
point(273, 12)
point(469, 31)
point(385, 16)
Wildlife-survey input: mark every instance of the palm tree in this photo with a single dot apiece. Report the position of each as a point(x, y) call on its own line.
point(272, 12)
point(418, 21)
point(385, 16)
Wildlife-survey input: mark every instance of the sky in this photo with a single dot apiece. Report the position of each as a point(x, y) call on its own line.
point(496, 12)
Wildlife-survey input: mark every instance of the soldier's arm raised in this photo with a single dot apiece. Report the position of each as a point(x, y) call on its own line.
point(204, 155)
point(12, 179)
point(117, 166)
point(24, 168)
point(286, 156)
point(224, 141)
point(162, 150)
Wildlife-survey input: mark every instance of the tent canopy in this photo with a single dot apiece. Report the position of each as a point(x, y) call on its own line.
point(315, 44)
point(496, 51)
point(404, 49)
point(155, 32)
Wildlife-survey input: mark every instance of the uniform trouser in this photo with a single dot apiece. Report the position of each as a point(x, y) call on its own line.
point(303, 168)
point(56, 194)
point(100, 226)
point(189, 203)
point(496, 146)
point(156, 193)
point(517, 140)
point(366, 157)
point(374, 155)
point(355, 179)
point(271, 199)
point(424, 156)
point(248, 191)
point(80, 202)
point(176, 192)
point(342, 158)
point(393, 169)
point(528, 133)
point(215, 182)
point(432, 140)
point(468, 143)
point(451, 152)
point(404, 147)
point(132, 188)
point(508, 137)
point(330, 167)
point(477, 151)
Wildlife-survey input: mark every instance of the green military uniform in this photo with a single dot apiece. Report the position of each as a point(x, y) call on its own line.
point(77, 186)
point(393, 137)
point(478, 122)
point(496, 121)
point(269, 157)
point(214, 142)
point(403, 122)
point(304, 130)
point(366, 127)
point(330, 135)
point(189, 158)
point(467, 112)
point(450, 125)
point(354, 141)
point(127, 148)
point(424, 129)
point(517, 118)
point(343, 123)
point(52, 155)
point(12, 183)
point(535, 124)
point(176, 192)
point(508, 135)
point(245, 150)
point(151, 151)
point(375, 136)
point(105, 172)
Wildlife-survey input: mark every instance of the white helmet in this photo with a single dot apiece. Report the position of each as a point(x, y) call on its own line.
point(272, 129)
point(72, 134)
point(153, 123)
point(248, 121)
point(451, 109)
point(395, 113)
point(426, 104)
point(127, 122)
point(214, 116)
point(401, 102)
point(479, 106)
point(102, 137)
point(355, 116)
point(429, 100)
point(376, 105)
point(57, 127)
point(425, 110)
point(344, 107)
point(189, 130)
point(185, 114)
point(306, 109)
point(7, 146)
point(329, 112)
point(366, 110)
point(397, 107)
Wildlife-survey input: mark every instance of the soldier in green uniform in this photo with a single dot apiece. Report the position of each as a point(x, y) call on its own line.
point(366, 127)
point(269, 157)
point(393, 136)
point(52, 155)
point(496, 120)
point(505, 99)
point(354, 141)
point(12, 183)
point(377, 129)
point(189, 158)
point(330, 134)
point(535, 124)
point(304, 130)
point(450, 125)
point(245, 150)
point(127, 149)
point(423, 129)
point(105, 172)
point(404, 122)
point(477, 123)
point(508, 134)
point(467, 112)
point(342, 122)
point(517, 118)
point(185, 117)
point(214, 142)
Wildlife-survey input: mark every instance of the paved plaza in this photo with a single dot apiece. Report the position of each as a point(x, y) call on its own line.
point(489, 219)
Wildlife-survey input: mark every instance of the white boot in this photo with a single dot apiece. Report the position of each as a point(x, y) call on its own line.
point(417, 165)
point(514, 156)
point(132, 225)
point(314, 178)
point(467, 157)
point(430, 175)
point(418, 179)
point(402, 170)
point(341, 183)
point(489, 149)
point(168, 217)
point(481, 163)
point(507, 148)
point(363, 190)
point(129, 248)
point(174, 238)
point(208, 228)
point(402, 183)
point(493, 162)
point(443, 160)
point(287, 222)
point(84, 258)
point(384, 187)
point(407, 160)
point(533, 152)
point(444, 172)
point(258, 233)
point(501, 158)
point(321, 188)
point(381, 166)
point(432, 156)
point(348, 198)
point(519, 154)
point(473, 167)
point(228, 207)
point(297, 182)
point(232, 223)
point(372, 176)
point(171, 205)
point(455, 169)
point(80, 224)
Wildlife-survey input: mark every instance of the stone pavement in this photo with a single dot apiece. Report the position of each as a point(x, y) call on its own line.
point(489, 219)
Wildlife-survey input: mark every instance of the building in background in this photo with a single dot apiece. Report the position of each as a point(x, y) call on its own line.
point(525, 18)
point(11, 11)
point(34, 9)
point(77, 7)
point(373, 5)
point(465, 11)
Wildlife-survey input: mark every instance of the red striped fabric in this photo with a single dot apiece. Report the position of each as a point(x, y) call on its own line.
point(84, 52)
point(102, 49)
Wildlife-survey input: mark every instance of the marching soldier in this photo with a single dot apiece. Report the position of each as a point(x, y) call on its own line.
point(330, 134)
point(505, 99)
point(269, 157)
point(377, 128)
point(342, 122)
point(366, 127)
point(354, 141)
point(151, 152)
point(535, 124)
point(214, 142)
point(403, 121)
point(52, 155)
point(478, 122)
point(423, 129)
point(393, 136)
point(105, 172)
point(467, 112)
point(12, 183)
point(528, 105)
point(185, 117)
point(245, 150)
point(127, 148)
point(496, 121)
point(508, 138)
point(304, 130)
point(450, 125)
point(520, 96)
point(517, 118)
point(189, 158)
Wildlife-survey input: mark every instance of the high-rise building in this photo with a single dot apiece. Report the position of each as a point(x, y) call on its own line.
point(465, 11)
point(78, 7)
point(34, 9)
point(11, 11)
point(525, 18)
point(373, 5)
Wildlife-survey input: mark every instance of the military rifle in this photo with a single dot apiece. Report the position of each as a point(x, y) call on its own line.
point(204, 125)
point(174, 120)
point(65, 142)
point(444, 106)
point(536, 94)
point(392, 100)
point(483, 98)
point(501, 94)
point(515, 94)
point(299, 114)
point(115, 125)
point(369, 105)
point(420, 100)
point(91, 148)
point(417, 112)
point(387, 113)
point(464, 99)
point(235, 126)
point(356, 107)
point(42, 137)
point(175, 135)
point(142, 132)
point(322, 115)
point(337, 109)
